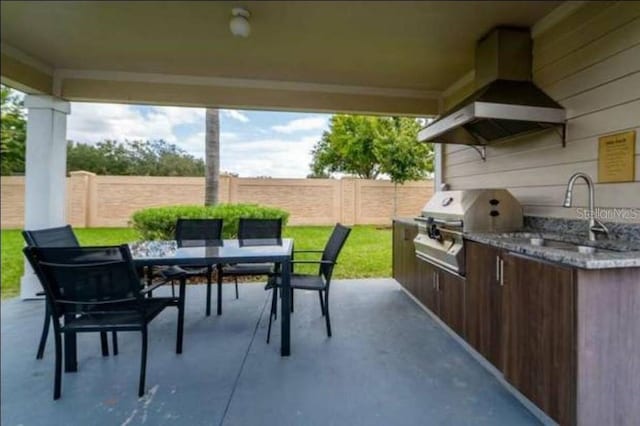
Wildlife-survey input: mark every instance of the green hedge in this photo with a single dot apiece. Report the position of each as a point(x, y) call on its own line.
point(159, 223)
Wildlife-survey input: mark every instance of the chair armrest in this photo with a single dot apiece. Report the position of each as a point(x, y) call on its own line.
point(308, 251)
point(152, 287)
point(324, 262)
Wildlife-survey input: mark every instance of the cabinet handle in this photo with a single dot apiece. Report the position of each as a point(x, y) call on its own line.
point(438, 281)
point(498, 268)
point(433, 276)
point(501, 272)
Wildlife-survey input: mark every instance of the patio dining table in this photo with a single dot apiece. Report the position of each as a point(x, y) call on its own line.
point(167, 253)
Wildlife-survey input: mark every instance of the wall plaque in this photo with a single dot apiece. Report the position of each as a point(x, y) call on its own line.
point(616, 157)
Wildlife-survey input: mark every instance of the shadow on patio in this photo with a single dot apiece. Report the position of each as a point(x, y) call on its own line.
point(388, 362)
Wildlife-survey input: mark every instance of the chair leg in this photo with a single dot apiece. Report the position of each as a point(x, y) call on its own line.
point(236, 280)
point(275, 303)
point(208, 310)
point(149, 280)
point(104, 343)
point(209, 275)
point(57, 382)
point(45, 332)
point(114, 339)
point(321, 301)
point(274, 307)
point(219, 290)
point(143, 362)
point(326, 312)
point(291, 292)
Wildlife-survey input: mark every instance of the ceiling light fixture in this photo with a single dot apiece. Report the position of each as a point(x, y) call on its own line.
point(239, 23)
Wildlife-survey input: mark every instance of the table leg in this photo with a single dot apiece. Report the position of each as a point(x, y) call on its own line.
point(285, 309)
point(181, 297)
point(70, 352)
point(219, 289)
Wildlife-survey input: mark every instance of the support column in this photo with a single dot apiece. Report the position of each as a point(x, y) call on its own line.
point(437, 166)
point(45, 174)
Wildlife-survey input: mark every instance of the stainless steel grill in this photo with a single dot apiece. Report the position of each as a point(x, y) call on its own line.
point(449, 214)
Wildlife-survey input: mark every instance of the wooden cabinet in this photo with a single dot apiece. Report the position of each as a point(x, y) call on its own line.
point(405, 267)
point(483, 301)
point(439, 291)
point(568, 339)
point(450, 300)
point(426, 292)
point(539, 334)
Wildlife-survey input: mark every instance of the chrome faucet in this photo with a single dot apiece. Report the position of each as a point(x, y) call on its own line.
point(595, 226)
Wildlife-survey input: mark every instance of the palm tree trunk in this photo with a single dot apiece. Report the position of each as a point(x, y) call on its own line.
point(212, 156)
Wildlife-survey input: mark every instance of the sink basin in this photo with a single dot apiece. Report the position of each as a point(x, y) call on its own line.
point(563, 245)
point(572, 244)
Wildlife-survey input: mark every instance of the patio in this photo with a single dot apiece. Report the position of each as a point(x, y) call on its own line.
point(387, 363)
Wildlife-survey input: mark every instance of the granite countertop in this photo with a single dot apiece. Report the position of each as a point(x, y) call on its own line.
point(615, 254)
point(621, 250)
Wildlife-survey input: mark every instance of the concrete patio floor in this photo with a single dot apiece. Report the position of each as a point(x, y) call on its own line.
point(388, 363)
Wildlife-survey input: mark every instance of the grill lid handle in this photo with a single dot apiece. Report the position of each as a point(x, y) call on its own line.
point(441, 222)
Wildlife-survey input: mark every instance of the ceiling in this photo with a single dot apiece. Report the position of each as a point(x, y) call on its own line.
point(399, 45)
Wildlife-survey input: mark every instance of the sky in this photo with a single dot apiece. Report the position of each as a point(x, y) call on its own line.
point(252, 143)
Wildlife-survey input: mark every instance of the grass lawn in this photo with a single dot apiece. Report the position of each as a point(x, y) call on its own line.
point(366, 254)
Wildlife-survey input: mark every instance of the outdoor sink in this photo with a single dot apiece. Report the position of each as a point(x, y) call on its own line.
point(564, 245)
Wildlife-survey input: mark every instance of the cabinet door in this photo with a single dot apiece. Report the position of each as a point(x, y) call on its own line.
point(405, 264)
point(451, 301)
point(483, 301)
point(539, 333)
point(396, 247)
point(427, 285)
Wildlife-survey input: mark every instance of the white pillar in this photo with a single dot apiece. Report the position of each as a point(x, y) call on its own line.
point(437, 166)
point(45, 174)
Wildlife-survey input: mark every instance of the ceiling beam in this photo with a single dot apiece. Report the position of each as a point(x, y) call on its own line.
point(23, 72)
point(226, 96)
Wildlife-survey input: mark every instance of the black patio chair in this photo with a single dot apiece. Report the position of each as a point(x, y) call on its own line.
point(62, 236)
point(94, 289)
point(248, 231)
point(195, 233)
point(319, 282)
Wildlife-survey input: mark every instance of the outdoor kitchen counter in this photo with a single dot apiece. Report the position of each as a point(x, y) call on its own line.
point(623, 254)
point(406, 221)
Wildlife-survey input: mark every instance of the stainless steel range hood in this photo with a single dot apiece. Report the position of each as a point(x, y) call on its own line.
point(506, 104)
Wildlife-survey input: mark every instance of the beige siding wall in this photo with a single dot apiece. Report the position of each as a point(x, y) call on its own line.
point(94, 201)
point(590, 63)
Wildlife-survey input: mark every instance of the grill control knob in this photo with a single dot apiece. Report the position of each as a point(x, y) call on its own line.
point(434, 232)
point(447, 201)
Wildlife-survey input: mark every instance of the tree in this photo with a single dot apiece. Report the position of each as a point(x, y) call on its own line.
point(212, 155)
point(402, 157)
point(369, 147)
point(348, 147)
point(13, 132)
point(145, 158)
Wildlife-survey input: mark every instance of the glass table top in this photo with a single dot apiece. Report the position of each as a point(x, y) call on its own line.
point(237, 250)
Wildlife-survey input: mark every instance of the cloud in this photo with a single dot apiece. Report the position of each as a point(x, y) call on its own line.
point(229, 136)
point(92, 122)
point(194, 144)
point(255, 151)
point(302, 125)
point(268, 157)
point(236, 115)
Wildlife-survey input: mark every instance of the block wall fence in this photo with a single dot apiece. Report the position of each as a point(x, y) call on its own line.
point(109, 201)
